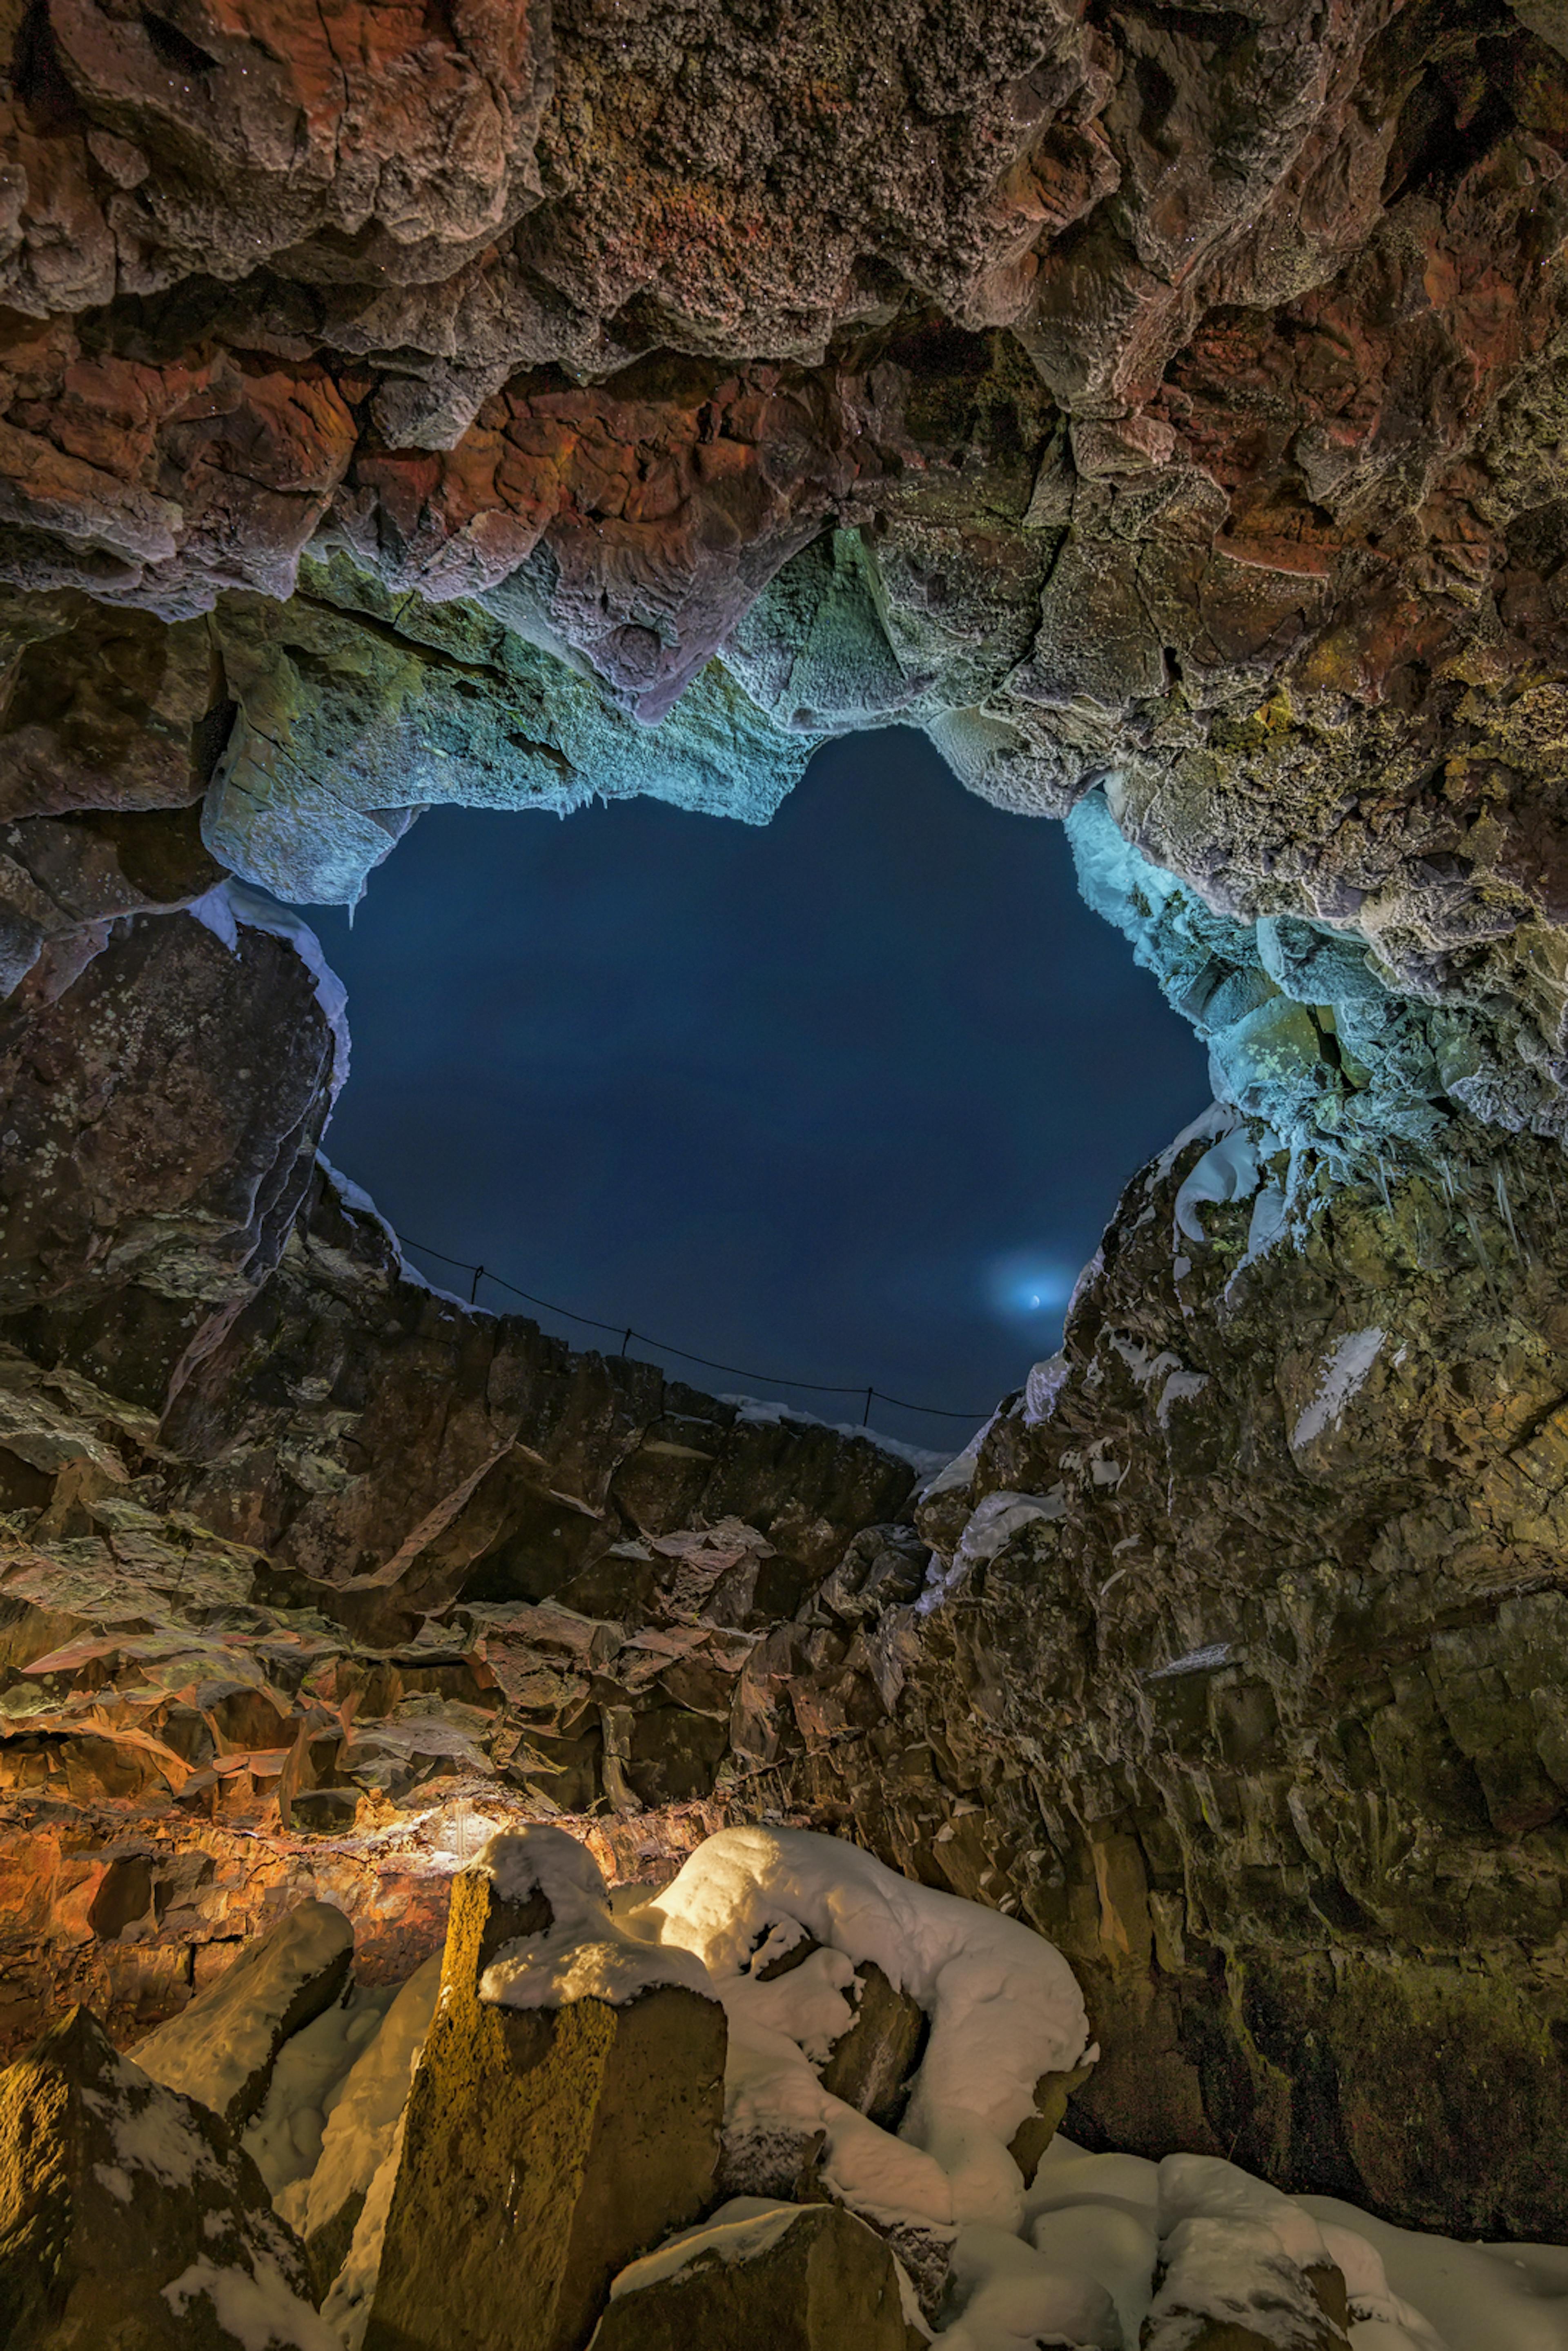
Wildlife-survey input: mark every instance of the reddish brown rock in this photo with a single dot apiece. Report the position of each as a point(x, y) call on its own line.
point(162, 1116)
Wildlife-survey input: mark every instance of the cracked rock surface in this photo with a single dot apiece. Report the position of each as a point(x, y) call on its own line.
point(1165, 408)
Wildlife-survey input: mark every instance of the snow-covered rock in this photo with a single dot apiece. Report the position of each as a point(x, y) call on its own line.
point(1004, 2009)
point(360, 2124)
point(564, 2119)
point(130, 2220)
point(223, 2047)
point(790, 2277)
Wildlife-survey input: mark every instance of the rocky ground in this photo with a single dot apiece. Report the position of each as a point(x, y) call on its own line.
point(787, 2098)
point(507, 406)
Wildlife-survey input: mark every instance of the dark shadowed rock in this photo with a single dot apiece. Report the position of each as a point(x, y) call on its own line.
point(871, 2067)
point(161, 1116)
point(792, 2278)
point(130, 2220)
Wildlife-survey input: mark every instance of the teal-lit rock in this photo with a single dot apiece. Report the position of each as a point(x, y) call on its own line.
point(356, 710)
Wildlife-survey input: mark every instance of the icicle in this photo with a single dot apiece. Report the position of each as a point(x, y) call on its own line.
point(1446, 1175)
point(1505, 1208)
point(1382, 1186)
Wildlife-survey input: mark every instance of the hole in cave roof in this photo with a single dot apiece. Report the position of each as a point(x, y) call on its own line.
point(805, 1096)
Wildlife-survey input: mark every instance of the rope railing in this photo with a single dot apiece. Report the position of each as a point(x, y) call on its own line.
point(626, 1334)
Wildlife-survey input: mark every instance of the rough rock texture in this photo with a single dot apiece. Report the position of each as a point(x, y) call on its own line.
point(381, 1557)
point(1110, 394)
point(871, 2067)
point(1246, 1682)
point(221, 2050)
point(585, 2132)
point(1164, 409)
point(162, 1117)
point(130, 2220)
point(810, 2279)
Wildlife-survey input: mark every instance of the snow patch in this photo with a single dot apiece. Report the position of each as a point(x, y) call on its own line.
point(1041, 1389)
point(1182, 1387)
point(1349, 1362)
point(741, 2231)
point(1196, 1661)
point(760, 1412)
point(1003, 2004)
point(991, 1527)
point(1231, 1169)
point(1010, 2297)
point(361, 2115)
point(257, 2310)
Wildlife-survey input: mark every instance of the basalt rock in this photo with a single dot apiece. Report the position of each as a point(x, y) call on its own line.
point(807, 2278)
point(1172, 404)
point(1244, 1683)
point(129, 2217)
point(221, 2050)
point(584, 2130)
point(161, 1114)
point(1165, 412)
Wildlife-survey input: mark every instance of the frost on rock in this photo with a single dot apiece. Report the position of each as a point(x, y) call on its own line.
point(255, 2308)
point(989, 1530)
point(809, 2276)
point(738, 2232)
point(229, 904)
point(1349, 1360)
point(1004, 2008)
point(128, 2216)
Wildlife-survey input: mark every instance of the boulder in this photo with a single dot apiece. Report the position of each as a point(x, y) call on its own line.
point(1251, 2265)
point(788, 2276)
point(130, 2220)
point(871, 2067)
point(564, 2119)
point(1229, 2285)
point(222, 2048)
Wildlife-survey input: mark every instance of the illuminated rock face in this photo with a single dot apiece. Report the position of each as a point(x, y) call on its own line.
point(507, 406)
point(1179, 404)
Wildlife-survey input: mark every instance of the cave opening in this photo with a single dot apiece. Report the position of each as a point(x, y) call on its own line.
point(476, 1802)
point(850, 1095)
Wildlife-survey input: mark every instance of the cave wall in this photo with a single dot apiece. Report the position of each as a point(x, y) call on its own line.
point(506, 406)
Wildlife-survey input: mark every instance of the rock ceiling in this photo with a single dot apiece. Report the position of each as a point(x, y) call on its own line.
point(1164, 407)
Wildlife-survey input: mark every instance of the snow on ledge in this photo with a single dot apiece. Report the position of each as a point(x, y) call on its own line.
point(586, 1953)
point(1344, 1372)
point(228, 904)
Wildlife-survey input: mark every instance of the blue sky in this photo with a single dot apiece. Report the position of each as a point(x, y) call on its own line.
point(840, 1098)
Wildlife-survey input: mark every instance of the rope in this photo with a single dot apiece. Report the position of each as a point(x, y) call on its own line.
point(625, 1333)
